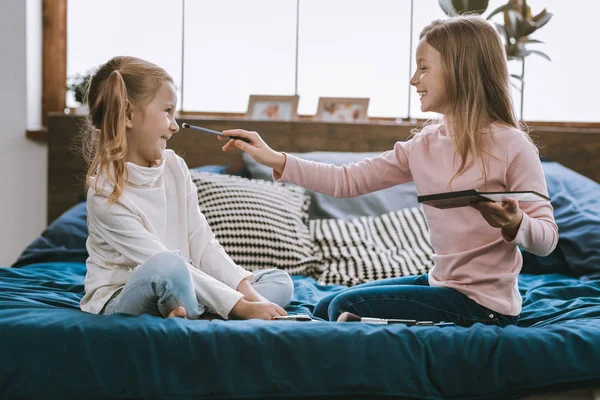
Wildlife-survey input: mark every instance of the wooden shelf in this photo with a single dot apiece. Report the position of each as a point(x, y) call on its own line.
point(37, 135)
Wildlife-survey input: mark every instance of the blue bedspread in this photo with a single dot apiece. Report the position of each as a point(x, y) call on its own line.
point(50, 349)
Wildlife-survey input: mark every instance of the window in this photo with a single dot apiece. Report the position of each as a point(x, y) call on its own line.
point(219, 53)
point(355, 48)
point(100, 30)
point(565, 89)
point(235, 48)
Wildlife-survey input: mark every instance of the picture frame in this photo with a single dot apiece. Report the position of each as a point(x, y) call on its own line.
point(342, 109)
point(273, 108)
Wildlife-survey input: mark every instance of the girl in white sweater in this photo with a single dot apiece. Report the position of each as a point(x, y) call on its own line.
point(150, 249)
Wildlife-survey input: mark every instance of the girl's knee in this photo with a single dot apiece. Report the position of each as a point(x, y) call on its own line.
point(287, 287)
point(283, 285)
point(167, 267)
point(338, 305)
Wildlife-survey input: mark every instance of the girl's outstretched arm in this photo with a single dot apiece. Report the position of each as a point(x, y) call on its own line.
point(388, 169)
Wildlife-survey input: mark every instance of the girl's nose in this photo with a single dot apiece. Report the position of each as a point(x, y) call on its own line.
point(414, 80)
point(174, 127)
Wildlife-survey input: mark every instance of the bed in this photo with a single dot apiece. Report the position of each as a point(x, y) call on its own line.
point(50, 349)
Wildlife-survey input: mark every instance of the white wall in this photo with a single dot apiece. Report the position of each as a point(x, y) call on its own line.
point(23, 163)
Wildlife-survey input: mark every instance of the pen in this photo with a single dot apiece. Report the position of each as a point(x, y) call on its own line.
point(299, 317)
point(212, 132)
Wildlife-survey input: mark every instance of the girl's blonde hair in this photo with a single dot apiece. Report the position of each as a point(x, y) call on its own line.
point(117, 87)
point(475, 70)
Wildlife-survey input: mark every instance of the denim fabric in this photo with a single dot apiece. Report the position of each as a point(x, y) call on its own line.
point(164, 282)
point(409, 298)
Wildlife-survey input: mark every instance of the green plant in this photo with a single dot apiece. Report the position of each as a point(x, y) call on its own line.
point(518, 25)
point(78, 84)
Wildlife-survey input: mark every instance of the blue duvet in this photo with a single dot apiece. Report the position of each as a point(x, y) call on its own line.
point(50, 349)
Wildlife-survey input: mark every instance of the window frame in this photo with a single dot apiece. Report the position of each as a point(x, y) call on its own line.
point(54, 76)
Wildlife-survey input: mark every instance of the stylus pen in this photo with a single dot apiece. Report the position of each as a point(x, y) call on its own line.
point(300, 317)
point(205, 130)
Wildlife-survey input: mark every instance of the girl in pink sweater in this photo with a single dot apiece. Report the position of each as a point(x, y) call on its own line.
point(461, 74)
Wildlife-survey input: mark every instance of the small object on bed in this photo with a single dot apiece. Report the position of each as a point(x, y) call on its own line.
point(298, 317)
point(350, 317)
point(212, 132)
point(464, 198)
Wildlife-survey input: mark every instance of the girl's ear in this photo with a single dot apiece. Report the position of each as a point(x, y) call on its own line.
point(129, 116)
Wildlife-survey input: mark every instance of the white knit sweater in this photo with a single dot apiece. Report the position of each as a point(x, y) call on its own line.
point(158, 211)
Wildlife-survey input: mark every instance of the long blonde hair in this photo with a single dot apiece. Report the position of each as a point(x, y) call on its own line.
point(475, 70)
point(117, 87)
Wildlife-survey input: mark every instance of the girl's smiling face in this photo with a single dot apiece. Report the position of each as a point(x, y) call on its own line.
point(149, 128)
point(429, 80)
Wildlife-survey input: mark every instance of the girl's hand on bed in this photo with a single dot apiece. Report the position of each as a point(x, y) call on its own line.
point(244, 309)
point(506, 216)
point(257, 148)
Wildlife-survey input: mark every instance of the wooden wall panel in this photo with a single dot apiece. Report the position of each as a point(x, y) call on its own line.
point(54, 57)
point(576, 148)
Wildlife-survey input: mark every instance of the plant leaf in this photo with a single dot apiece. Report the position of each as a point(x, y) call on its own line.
point(542, 18)
point(500, 9)
point(447, 7)
point(526, 28)
point(525, 10)
point(526, 40)
point(541, 54)
point(470, 6)
point(517, 77)
point(518, 52)
point(454, 7)
point(512, 20)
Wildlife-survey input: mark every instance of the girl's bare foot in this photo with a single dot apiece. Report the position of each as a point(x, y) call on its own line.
point(178, 312)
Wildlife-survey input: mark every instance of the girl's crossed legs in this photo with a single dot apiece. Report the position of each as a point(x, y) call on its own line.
point(163, 284)
point(409, 297)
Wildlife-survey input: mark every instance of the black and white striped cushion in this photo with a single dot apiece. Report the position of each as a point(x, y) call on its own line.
point(369, 248)
point(260, 224)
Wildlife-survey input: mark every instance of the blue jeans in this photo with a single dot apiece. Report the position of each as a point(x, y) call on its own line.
point(409, 297)
point(164, 282)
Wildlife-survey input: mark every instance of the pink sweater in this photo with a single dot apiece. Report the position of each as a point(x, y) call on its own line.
point(470, 255)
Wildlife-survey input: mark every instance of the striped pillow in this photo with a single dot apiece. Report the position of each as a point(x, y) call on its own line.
point(260, 224)
point(369, 248)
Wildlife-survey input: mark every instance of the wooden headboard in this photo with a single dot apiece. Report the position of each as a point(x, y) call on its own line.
point(576, 148)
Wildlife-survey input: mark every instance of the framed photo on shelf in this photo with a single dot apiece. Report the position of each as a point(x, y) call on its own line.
point(272, 108)
point(342, 109)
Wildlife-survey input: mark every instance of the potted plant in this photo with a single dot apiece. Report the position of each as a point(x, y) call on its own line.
point(519, 23)
point(78, 85)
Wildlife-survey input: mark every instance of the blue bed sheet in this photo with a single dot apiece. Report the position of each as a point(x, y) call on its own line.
point(50, 349)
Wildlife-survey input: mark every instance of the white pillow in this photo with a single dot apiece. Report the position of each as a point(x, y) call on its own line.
point(260, 224)
point(364, 249)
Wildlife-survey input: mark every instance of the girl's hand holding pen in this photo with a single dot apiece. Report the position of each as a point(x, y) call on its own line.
point(257, 148)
